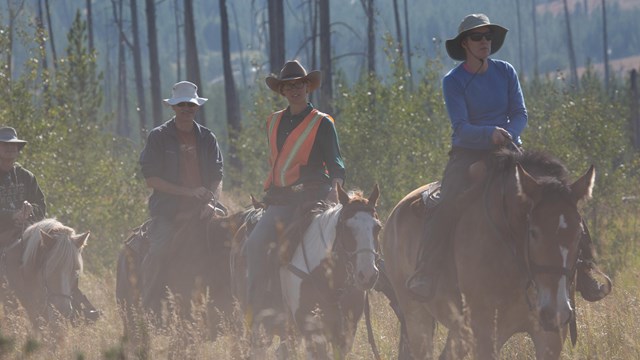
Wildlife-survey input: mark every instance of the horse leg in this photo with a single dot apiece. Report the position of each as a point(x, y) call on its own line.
point(420, 330)
point(548, 344)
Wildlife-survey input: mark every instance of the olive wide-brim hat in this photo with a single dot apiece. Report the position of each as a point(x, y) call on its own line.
point(470, 22)
point(292, 70)
point(9, 135)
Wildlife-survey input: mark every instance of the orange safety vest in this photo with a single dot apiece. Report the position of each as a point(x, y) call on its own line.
point(285, 165)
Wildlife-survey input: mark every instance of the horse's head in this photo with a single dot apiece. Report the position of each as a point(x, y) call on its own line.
point(357, 236)
point(554, 230)
point(52, 262)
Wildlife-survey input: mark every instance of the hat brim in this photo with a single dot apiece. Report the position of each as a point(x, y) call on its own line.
point(174, 101)
point(456, 51)
point(21, 143)
point(313, 77)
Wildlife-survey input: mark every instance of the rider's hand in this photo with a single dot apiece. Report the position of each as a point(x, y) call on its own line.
point(21, 216)
point(500, 136)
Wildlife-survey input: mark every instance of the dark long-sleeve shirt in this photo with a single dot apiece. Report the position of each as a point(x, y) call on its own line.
point(16, 186)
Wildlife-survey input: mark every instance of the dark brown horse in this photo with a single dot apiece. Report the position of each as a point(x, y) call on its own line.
point(40, 269)
point(514, 248)
point(324, 279)
point(197, 272)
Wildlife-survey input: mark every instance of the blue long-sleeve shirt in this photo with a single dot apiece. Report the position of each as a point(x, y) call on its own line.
point(478, 104)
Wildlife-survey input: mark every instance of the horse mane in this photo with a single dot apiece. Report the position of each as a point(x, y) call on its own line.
point(548, 171)
point(63, 250)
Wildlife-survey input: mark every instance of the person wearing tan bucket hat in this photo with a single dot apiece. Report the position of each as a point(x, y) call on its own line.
point(22, 203)
point(486, 108)
point(182, 163)
point(306, 166)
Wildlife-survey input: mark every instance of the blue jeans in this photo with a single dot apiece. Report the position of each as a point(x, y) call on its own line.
point(161, 232)
point(262, 244)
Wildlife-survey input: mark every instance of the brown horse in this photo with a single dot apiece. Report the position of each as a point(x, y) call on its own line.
point(41, 269)
point(513, 257)
point(197, 273)
point(323, 282)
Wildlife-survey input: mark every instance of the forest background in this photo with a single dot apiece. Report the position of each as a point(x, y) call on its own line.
point(82, 82)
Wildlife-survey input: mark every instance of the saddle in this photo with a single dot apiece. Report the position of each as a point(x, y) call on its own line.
point(424, 205)
point(294, 233)
point(138, 242)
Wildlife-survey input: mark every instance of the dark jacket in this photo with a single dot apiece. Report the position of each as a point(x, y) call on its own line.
point(160, 158)
point(16, 186)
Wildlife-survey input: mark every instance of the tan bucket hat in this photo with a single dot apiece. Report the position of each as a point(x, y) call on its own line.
point(185, 91)
point(470, 22)
point(292, 70)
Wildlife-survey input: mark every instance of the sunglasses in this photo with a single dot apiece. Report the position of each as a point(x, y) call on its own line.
point(478, 36)
point(188, 104)
point(294, 85)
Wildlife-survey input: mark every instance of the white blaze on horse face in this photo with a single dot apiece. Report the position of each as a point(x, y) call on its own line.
point(562, 223)
point(562, 293)
point(362, 226)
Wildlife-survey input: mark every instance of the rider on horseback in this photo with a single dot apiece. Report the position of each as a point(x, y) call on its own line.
point(182, 163)
point(306, 166)
point(481, 121)
point(22, 204)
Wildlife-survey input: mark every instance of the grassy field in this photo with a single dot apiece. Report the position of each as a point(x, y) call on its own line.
point(609, 329)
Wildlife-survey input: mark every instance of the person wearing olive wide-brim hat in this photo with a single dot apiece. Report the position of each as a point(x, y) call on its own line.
point(22, 203)
point(486, 109)
point(306, 166)
point(182, 163)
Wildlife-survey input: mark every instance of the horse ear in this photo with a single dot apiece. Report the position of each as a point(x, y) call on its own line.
point(528, 187)
point(583, 187)
point(375, 193)
point(47, 241)
point(80, 240)
point(342, 195)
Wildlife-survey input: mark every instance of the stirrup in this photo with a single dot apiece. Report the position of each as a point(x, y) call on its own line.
point(589, 287)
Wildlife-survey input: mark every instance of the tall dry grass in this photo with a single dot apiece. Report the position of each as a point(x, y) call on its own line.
point(609, 329)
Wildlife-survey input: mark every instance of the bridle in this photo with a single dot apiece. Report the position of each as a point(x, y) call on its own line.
point(525, 264)
point(49, 295)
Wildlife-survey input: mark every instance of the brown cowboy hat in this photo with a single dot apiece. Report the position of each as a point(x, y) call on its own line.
point(292, 70)
point(470, 22)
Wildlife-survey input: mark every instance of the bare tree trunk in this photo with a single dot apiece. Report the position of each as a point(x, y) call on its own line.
point(154, 65)
point(41, 37)
point(536, 71)
point(606, 46)
point(191, 54)
point(14, 12)
point(137, 68)
point(276, 35)
point(326, 90)
point(122, 125)
point(176, 14)
point(234, 119)
point(398, 30)
point(90, 25)
point(408, 41)
point(367, 6)
point(243, 66)
point(519, 20)
point(313, 20)
point(635, 111)
point(572, 55)
point(54, 55)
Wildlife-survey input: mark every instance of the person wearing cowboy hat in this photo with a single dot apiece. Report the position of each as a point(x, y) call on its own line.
point(22, 203)
point(182, 163)
point(486, 109)
point(306, 166)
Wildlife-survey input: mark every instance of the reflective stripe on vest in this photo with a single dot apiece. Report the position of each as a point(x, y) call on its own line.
point(285, 165)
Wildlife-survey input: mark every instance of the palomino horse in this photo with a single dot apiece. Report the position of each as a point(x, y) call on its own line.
point(325, 276)
point(41, 269)
point(515, 249)
point(197, 271)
